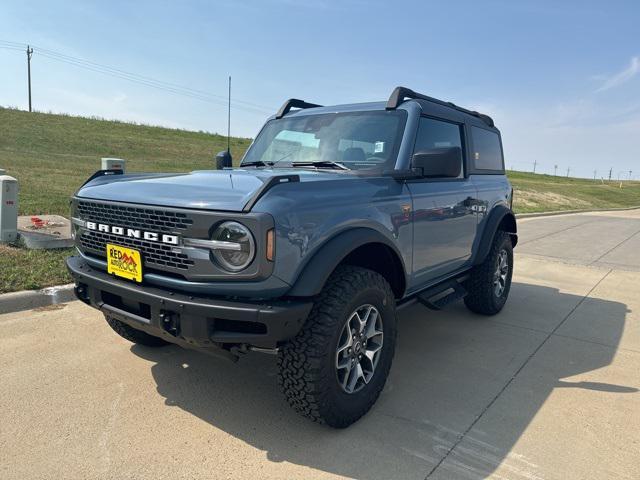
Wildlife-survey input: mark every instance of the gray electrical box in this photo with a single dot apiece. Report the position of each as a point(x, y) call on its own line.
point(113, 164)
point(8, 209)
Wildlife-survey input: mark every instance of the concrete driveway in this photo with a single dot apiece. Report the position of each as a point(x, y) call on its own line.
point(546, 389)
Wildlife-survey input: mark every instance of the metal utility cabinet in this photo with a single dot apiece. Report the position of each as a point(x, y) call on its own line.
point(8, 209)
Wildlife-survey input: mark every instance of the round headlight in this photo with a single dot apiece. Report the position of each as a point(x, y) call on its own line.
point(240, 256)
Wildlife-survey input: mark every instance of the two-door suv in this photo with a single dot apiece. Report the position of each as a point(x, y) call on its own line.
point(336, 217)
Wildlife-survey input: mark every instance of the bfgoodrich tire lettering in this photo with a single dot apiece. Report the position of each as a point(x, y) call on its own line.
point(308, 362)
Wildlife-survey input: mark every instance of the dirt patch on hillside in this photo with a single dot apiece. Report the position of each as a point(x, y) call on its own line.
point(532, 198)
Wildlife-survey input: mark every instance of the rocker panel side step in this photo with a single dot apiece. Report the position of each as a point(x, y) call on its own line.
point(438, 297)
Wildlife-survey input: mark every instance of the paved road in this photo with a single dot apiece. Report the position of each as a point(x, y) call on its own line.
point(547, 389)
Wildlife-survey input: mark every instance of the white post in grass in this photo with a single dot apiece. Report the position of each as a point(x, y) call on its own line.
point(113, 164)
point(8, 208)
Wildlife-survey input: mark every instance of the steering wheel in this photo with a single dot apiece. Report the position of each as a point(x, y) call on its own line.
point(380, 159)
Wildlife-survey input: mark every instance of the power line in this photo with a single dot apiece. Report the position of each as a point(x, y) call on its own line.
point(139, 79)
point(145, 78)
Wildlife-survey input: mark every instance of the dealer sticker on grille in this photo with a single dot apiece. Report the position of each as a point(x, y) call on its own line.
point(124, 262)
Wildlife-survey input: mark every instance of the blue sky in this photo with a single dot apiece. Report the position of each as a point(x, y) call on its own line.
point(562, 79)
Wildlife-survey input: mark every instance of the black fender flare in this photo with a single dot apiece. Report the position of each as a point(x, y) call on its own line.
point(499, 215)
point(327, 257)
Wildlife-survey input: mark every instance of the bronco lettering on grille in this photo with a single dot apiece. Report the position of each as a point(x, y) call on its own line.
point(133, 233)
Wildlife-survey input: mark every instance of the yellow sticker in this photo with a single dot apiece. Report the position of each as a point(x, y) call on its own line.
point(124, 262)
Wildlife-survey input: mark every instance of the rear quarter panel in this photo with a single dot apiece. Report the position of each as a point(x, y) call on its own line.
point(493, 190)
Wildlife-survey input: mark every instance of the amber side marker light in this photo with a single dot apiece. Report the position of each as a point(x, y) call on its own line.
point(271, 245)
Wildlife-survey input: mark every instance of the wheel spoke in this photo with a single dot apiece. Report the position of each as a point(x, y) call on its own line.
point(354, 323)
point(355, 374)
point(347, 343)
point(365, 318)
point(347, 375)
point(344, 362)
point(371, 328)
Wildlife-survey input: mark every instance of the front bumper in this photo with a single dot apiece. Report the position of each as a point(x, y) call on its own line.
point(191, 321)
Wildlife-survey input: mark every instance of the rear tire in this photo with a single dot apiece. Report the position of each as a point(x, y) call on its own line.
point(332, 372)
point(134, 335)
point(489, 284)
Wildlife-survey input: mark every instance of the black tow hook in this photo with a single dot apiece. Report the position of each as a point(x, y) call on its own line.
point(170, 322)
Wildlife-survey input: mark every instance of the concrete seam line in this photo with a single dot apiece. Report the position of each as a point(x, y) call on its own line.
point(591, 342)
point(613, 248)
point(557, 232)
point(29, 299)
point(513, 377)
point(570, 212)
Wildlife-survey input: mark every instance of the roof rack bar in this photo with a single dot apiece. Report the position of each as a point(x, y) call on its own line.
point(294, 103)
point(400, 93)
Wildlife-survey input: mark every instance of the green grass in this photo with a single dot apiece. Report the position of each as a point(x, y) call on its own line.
point(52, 155)
point(22, 269)
point(546, 193)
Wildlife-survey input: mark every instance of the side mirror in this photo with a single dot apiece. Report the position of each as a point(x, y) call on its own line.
point(223, 160)
point(438, 162)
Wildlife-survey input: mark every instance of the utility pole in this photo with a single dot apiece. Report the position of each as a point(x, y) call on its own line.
point(555, 170)
point(568, 169)
point(29, 54)
point(229, 119)
point(535, 162)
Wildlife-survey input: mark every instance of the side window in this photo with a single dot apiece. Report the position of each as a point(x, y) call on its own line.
point(487, 152)
point(438, 134)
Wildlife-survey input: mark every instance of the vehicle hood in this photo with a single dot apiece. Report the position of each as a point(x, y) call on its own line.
point(227, 190)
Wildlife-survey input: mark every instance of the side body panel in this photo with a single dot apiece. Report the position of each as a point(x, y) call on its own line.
point(308, 215)
point(444, 227)
point(493, 190)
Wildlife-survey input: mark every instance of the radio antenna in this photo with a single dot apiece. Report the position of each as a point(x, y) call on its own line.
point(229, 119)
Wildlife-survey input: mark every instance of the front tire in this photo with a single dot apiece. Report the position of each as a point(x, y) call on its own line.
point(490, 282)
point(333, 371)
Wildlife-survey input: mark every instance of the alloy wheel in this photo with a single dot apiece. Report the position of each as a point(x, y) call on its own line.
point(359, 348)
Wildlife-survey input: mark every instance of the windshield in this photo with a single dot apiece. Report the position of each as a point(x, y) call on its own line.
point(355, 140)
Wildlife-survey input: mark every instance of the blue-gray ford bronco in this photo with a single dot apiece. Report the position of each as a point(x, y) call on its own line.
point(336, 217)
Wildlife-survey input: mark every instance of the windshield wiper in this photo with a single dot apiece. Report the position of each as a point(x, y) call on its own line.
point(321, 164)
point(257, 163)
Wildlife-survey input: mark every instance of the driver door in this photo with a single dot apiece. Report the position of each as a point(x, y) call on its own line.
point(444, 221)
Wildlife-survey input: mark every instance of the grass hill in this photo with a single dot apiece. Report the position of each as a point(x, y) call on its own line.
point(546, 193)
point(51, 155)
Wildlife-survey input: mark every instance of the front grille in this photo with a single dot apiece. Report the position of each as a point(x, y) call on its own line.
point(160, 221)
point(154, 254)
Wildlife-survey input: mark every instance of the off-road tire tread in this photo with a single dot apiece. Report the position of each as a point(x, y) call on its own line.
point(134, 335)
point(480, 297)
point(302, 377)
